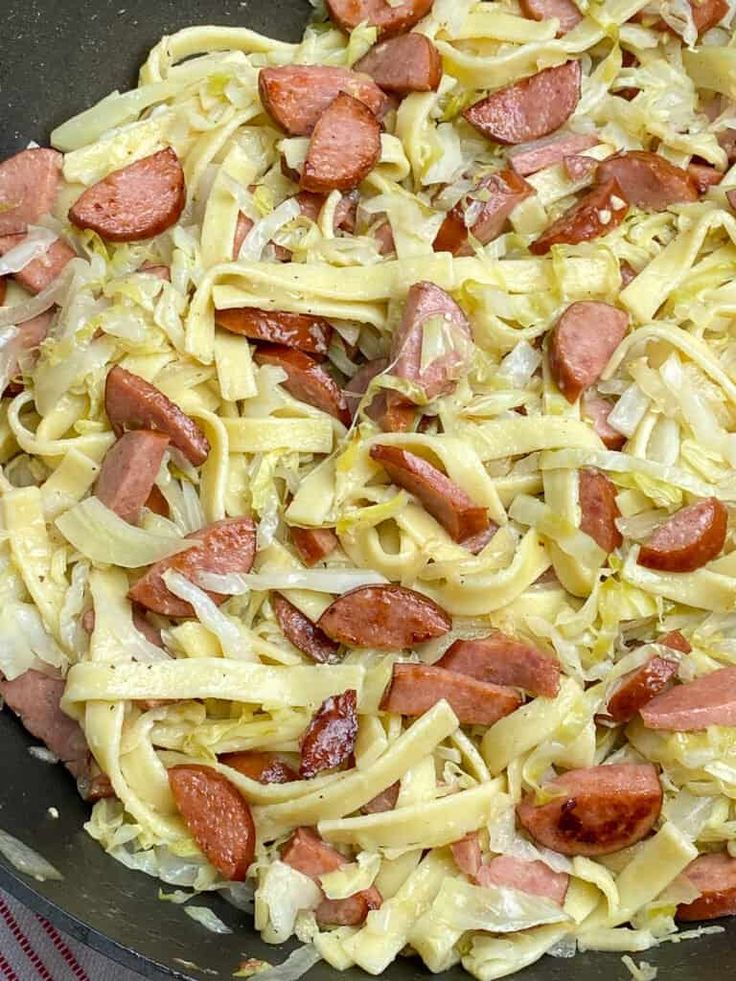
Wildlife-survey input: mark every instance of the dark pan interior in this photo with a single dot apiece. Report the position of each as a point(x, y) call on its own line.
point(58, 57)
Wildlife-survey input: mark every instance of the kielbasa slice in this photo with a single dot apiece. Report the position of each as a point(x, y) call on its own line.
point(460, 516)
point(296, 96)
point(639, 687)
point(306, 379)
point(597, 213)
point(344, 149)
point(390, 618)
point(429, 306)
point(129, 471)
point(709, 700)
point(409, 63)
point(647, 180)
point(689, 539)
point(715, 876)
point(29, 183)
point(415, 688)
point(301, 632)
point(595, 811)
point(263, 767)
point(44, 269)
point(157, 503)
point(578, 167)
point(133, 403)
point(217, 816)
point(489, 204)
point(708, 13)
point(582, 343)
point(313, 544)
point(598, 508)
point(597, 410)
point(389, 18)
point(225, 546)
point(533, 878)
point(704, 176)
point(564, 10)
point(385, 801)
point(392, 413)
point(532, 157)
point(329, 739)
point(300, 330)
point(504, 660)
point(467, 854)
point(675, 640)
point(529, 109)
point(31, 334)
point(138, 202)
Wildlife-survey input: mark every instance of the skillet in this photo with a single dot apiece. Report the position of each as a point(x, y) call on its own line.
point(58, 57)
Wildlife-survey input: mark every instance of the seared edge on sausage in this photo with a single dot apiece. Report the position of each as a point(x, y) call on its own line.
point(390, 618)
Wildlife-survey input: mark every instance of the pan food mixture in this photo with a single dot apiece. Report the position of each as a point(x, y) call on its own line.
point(368, 462)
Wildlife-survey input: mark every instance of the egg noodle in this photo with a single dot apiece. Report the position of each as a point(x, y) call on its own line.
point(227, 679)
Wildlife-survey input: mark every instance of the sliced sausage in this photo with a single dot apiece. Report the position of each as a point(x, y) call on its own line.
point(532, 157)
point(30, 335)
point(529, 109)
point(715, 876)
point(301, 632)
point(296, 96)
point(460, 516)
point(384, 236)
point(564, 10)
point(429, 305)
point(704, 176)
point(415, 688)
point(263, 767)
point(504, 660)
point(533, 878)
point(300, 330)
point(390, 618)
point(345, 213)
point(385, 801)
point(133, 403)
point(582, 343)
point(306, 379)
point(689, 539)
point(597, 410)
point(578, 167)
point(390, 18)
point(647, 180)
point(226, 546)
point(129, 471)
point(597, 213)
point(708, 13)
point(708, 701)
point(676, 641)
point(482, 214)
point(157, 503)
point(628, 273)
point(29, 183)
point(392, 413)
point(329, 739)
point(467, 854)
point(478, 542)
point(44, 269)
point(313, 544)
point(598, 508)
point(595, 811)
point(639, 687)
point(344, 148)
point(217, 816)
point(409, 63)
point(157, 271)
point(138, 202)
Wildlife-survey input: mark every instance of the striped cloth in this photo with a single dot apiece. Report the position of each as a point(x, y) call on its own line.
point(31, 949)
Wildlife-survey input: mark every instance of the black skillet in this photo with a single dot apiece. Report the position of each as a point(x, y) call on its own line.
point(58, 57)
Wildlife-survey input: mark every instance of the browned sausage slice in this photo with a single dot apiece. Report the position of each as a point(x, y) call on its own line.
point(704, 176)
point(598, 508)
point(138, 202)
point(597, 213)
point(715, 876)
point(31, 334)
point(129, 471)
point(415, 688)
point(597, 410)
point(487, 208)
point(467, 854)
point(226, 546)
point(301, 632)
point(639, 687)
point(550, 150)
point(460, 516)
point(389, 18)
point(689, 539)
point(578, 167)
point(708, 701)
point(314, 544)
point(504, 660)
point(295, 96)
point(217, 816)
point(157, 503)
point(564, 10)
point(299, 330)
point(385, 801)
point(582, 343)
point(595, 811)
point(344, 148)
point(133, 403)
point(44, 269)
point(306, 379)
point(390, 618)
point(676, 641)
point(410, 63)
point(263, 767)
point(647, 180)
point(529, 109)
point(707, 13)
point(533, 878)
point(29, 182)
point(329, 739)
